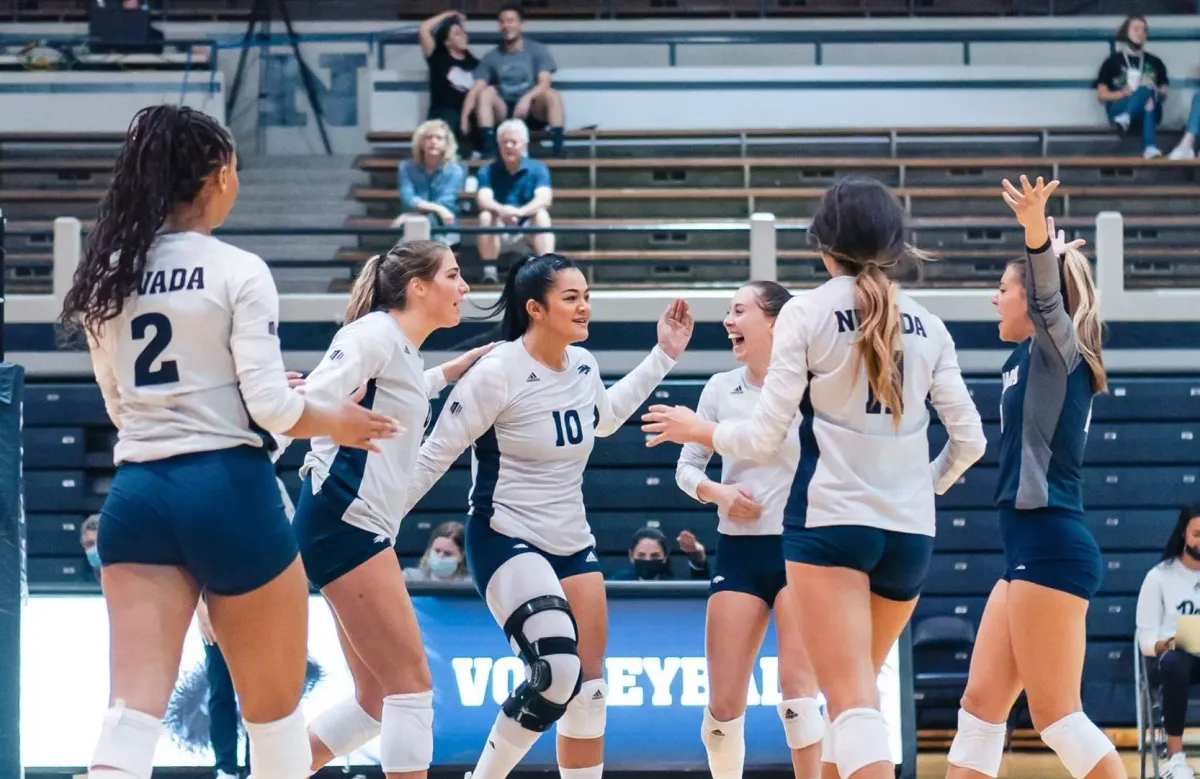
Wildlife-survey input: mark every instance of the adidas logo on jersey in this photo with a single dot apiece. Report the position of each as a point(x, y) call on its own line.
point(789, 714)
point(455, 407)
point(406, 351)
point(738, 390)
point(591, 557)
point(584, 369)
point(532, 377)
point(336, 354)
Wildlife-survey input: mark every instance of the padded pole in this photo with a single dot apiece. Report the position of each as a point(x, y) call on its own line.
point(763, 266)
point(12, 567)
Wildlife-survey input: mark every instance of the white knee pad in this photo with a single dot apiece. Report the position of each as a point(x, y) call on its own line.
point(345, 728)
point(827, 750)
point(587, 713)
point(725, 742)
point(978, 745)
point(127, 742)
point(803, 721)
point(280, 749)
point(860, 739)
point(406, 742)
point(1079, 744)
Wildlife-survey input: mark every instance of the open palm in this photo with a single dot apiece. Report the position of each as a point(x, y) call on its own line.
point(1029, 202)
point(675, 328)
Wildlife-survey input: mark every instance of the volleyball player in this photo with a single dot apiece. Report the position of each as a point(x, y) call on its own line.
point(182, 331)
point(858, 358)
point(351, 502)
point(750, 577)
point(533, 408)
point(1033, 634)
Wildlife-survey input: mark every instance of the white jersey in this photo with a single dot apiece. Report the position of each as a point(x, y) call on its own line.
point(532, 429)
point(372, 352)
point(729, 397)
point(193, 363)
point(1169, 589)
point(855, 467)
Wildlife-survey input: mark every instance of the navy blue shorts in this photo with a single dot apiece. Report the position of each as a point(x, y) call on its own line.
point(330, 546)
point(750, 564)
point(1053, 548)
point(896, 563)
point(487, 550)
point(218, 514)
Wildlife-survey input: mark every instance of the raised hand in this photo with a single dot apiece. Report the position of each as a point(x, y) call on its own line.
point(1058, 240)
point(454, 369)
point(1029, 205)
point(675, 328)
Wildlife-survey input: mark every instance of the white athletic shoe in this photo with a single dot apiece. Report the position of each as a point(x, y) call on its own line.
point(1177, 768)
point(1182, 152)
point(223, 775)
point(1123, 121)
point(1152, 152)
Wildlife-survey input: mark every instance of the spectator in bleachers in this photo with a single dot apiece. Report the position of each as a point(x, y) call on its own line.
point(1170, 589)
point(88, 533)
point(513, 81)
point(651, 561)
point(445, 559)
point(513, 190)
point(443, 40)
point(431, 181)
point(1132, 84)
point(1186, 149)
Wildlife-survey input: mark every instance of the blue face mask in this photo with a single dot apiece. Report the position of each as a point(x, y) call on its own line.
point(93, 556)
point(441, 565)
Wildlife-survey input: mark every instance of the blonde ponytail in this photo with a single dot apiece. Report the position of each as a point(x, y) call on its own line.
point(362, 296)
point(879, 337)
point(1083, 306)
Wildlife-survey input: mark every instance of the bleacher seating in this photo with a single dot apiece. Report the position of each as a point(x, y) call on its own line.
point(1143, 460)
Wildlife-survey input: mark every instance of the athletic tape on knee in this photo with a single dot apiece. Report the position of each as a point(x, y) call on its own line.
point(280, 749)
point(587, 713)
point(860, 739)
point(1079, 744)
point(127, 741)
point(978, 745)
point(406, 738)
point(803, 722)
point(726, 745)
point(345, 727)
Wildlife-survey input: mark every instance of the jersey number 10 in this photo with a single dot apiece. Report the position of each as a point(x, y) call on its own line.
point(143, 374)
point(567, 422)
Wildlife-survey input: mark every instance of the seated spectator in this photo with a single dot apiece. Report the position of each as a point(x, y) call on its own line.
point(1132, 84)
point(431, 181)
point(513, 190)
point(1172, 588)
point(445, 559)
point(89, 532)
point(513, 81)
point(649, 557)
point(443, 40)
point(1186, 149)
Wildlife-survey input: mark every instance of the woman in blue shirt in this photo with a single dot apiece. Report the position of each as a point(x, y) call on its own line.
point(431, 181)
point(1033, 634)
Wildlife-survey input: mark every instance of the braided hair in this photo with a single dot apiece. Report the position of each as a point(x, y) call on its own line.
point(168, 155)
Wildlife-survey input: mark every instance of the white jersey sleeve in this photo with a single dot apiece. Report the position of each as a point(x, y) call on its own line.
point(256, 355)
point(106, 378)
point(355, 356)
point(435, 381)
point(694, 458)
point(955, 407)
point(787, 378)
point(471, 409)
point(615, 404)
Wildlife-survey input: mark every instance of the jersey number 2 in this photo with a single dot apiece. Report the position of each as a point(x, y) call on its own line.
point(168, 372)
point(874, 406)
point(569, 423)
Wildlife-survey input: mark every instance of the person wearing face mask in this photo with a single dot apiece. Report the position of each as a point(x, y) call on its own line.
point(88, 534)
point(1172, 588)
point(1133, 83)
point(444, 559)
point(651, 561)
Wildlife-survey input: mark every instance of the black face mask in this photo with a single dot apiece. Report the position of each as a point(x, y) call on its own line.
point(1193, 552)
point(650, 568)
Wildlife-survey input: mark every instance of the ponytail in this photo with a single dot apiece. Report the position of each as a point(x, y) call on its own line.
point(530, 278)
point(1083, 306)
point(362, 295)
point(879, 338)
point(383, 281)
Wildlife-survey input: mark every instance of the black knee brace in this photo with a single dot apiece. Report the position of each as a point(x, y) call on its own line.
point(527, 705)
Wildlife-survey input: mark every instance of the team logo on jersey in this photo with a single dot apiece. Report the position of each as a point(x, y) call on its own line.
point(738, 390)
point(532, 378)
point(406, 351)
point(455, 407)
point(584, 369)
point(336, 354)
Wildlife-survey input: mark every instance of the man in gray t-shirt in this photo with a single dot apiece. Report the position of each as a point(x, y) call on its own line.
point(513, 80)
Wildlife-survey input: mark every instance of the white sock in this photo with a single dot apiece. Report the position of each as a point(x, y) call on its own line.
point(591, 772)
point(279, 749)
point(725, 742)
point(506, 744)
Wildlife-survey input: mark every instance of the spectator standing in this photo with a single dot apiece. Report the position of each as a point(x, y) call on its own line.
point(513, 190)
point(1172, 588)
point(431, 181)
point(445, 559)
point(88, 533)
point(1186, 150)
point(650, 561)
point(513, 81)
point(1132, 84)
point(444, 41)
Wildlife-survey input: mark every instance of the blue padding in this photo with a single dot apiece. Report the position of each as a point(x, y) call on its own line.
point(53, 447)
point(61, 570)
point(1112, 616)
point(968, 607)
point(966, 573)
point(53, 534)
point(55, 491)
point(1131, 530)
point(976, 530)
point(1175, 443)
point(64, 404)
point(1124, 571)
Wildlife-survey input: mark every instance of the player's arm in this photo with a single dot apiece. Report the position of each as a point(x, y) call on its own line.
point(357, 354)
point(617, 403)
point(436, 379)
point(690, 470)
point(471, 409)
point(956, 408)
point(106, 376)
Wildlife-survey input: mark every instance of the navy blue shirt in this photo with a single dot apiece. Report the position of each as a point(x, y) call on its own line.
point(1042, 441)
point(514, 189)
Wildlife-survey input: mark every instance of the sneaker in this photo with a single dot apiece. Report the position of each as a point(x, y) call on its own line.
point(1152, 153)
point(1177, 768)
point(1182, 152)
point(1123, 121)
point(223, 775)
